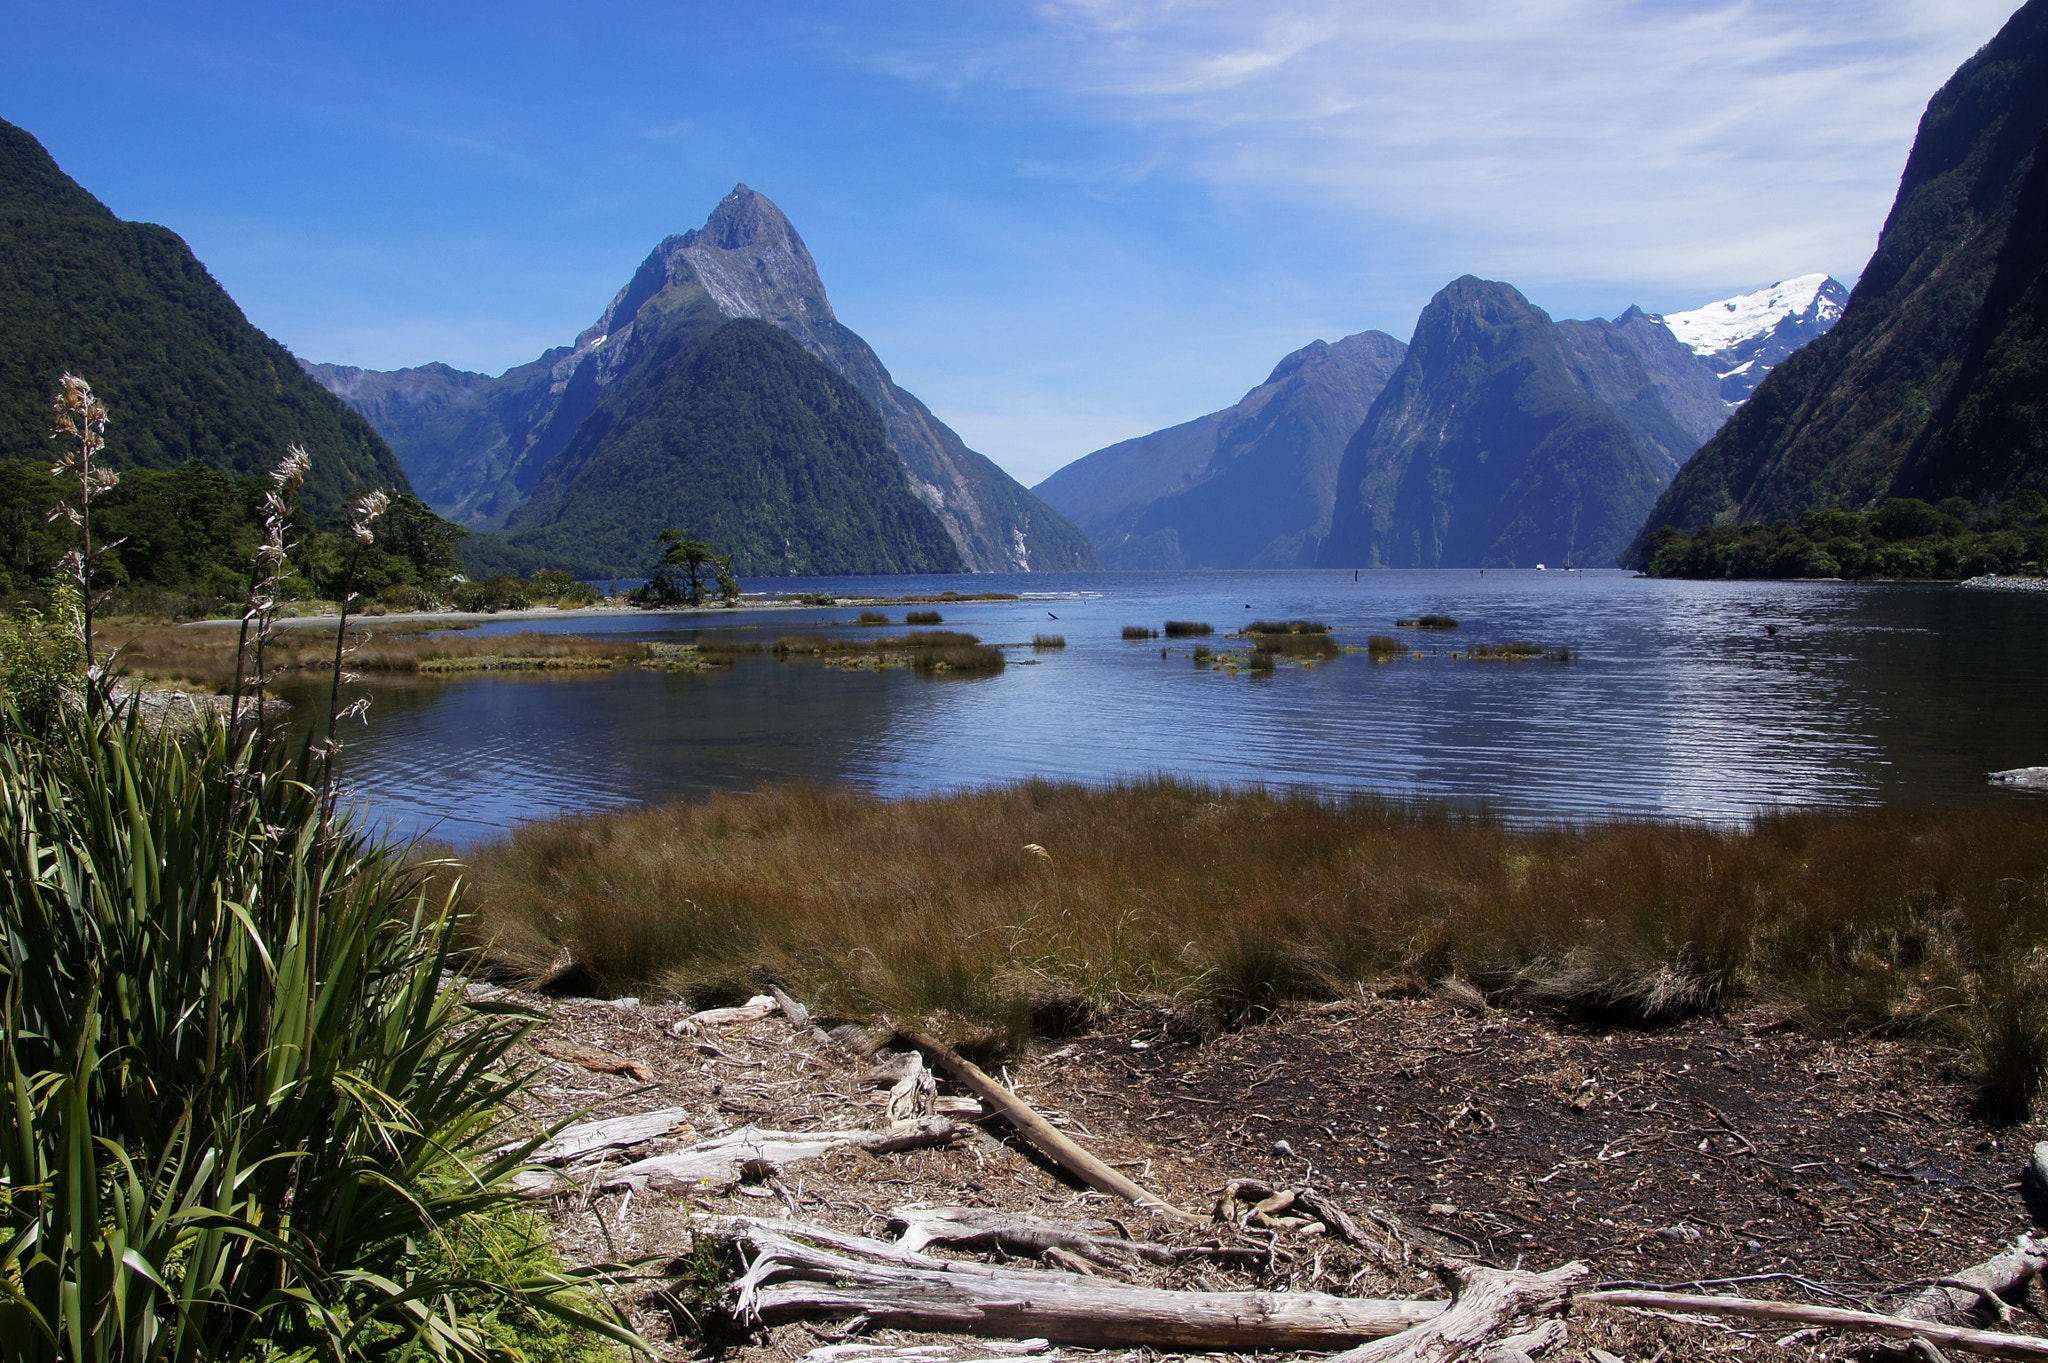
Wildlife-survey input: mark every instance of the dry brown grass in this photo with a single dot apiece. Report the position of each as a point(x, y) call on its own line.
point(1910, 922)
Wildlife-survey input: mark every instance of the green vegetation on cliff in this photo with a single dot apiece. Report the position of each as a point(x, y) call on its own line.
point(1901, 538)
point(127, 306)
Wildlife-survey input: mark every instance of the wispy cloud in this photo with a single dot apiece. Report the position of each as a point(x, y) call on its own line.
point(1547, 139)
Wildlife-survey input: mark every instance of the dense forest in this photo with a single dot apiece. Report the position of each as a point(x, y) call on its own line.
point(1902, 538)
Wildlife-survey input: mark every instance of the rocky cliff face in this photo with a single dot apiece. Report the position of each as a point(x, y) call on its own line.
point(1504, 439)
point(486, 444)
point(1858, 415)
point(1251, 486)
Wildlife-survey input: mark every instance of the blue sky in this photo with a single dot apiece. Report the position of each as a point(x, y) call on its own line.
point(1060, 223)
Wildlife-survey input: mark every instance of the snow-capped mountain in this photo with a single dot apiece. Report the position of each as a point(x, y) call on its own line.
point(1744, 337)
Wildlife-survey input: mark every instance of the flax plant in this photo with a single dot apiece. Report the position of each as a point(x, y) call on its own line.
point(362, 530)
point(81, 426)
point(240, 1114)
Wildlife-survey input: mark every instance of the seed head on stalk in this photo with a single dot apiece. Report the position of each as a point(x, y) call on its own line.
point(80, 426)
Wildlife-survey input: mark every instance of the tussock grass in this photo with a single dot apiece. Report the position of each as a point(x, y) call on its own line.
point(1041, 642)
point(1518, 650)
point(1287, 627)
point(1380, 645)
point(924, 618)
point(874, 617)
point(1310, 647)
point(1428, 622)
point(1914, 923)
point(1186, 629)
point(958, 658)
point(1140, 632)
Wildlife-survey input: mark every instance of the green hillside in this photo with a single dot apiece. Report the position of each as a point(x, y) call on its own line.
point(185, 376)
point(744, 441)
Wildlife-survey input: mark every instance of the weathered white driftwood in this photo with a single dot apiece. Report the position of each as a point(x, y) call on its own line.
point(808, 1271)
point(1487, 1303)
point(1049, 1139)
point(1978, 1294)
point(1026, 1236)
point(1990, 1343)
point(608, 1133)
point(723, 1161)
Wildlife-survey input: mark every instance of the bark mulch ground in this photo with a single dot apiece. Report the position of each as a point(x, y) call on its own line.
point(1731, 1147)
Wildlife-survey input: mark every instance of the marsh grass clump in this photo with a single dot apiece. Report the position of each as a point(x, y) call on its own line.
point(1263, 660)
point(203, 656)
point(1384, 646)
point(1303, 647)
point(1202, 655)
point(874, 617)
point(1140, 632)
point(800, 646)
point(961, 658)
point(1042, 642)
point(1517, 651)
point(1287, 627)
point(933, 638)
point(923, 618)
point(1428, 622)
point(1187, 629)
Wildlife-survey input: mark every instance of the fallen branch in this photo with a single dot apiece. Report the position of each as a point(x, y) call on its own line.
point(1035, 1237)
point(1979, 1293)
point(722, 1162)
point(573, 1142)
point(791, 1278)
point(1990, 1343)
point(1049, 1139)
point(1487, 1302)
point(591, 1058)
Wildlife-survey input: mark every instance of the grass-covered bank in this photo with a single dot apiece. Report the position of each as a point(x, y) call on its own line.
point(1033, 907)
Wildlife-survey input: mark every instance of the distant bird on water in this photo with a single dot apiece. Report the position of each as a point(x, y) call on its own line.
point(1770, 629)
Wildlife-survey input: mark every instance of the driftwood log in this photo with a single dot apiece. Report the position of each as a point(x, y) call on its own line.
point(1098, 1242)
point(1978, 1295)
point(808, 1272)
point(724, 1161)
point(1989, 1343)
point(609, 1133)
point(593, 1059)
point(1481, 1322)
point(1053, 1143)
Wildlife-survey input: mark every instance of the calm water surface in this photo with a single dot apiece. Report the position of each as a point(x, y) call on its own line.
point(1680, 700)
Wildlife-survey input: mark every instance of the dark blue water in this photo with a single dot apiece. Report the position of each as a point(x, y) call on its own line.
point(1679, 700)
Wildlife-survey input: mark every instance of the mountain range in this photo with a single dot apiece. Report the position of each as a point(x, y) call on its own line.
point(1507, 438)
point(489, 452)
point(1935, 381)
point(183, 373)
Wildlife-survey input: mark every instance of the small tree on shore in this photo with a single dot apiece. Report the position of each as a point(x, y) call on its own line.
point(679, 579)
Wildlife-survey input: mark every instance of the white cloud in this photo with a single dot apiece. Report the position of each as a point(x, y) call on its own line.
point(1677, 144)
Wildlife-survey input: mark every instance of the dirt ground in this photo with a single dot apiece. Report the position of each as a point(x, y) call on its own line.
point(1727, 1148)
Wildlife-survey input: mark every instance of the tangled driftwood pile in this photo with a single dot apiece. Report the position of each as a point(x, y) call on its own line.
point(1081, 1282)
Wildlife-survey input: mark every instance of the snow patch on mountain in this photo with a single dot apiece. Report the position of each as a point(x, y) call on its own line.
point(1743, 338)
point(1729, 323)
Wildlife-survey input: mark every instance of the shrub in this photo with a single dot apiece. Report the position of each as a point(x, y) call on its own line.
point(1184, 629)
point(243, 1117)
point(42, 657)
point(1140, 632)
point(924, 618)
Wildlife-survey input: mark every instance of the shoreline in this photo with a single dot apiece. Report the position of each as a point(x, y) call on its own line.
point(453, 618)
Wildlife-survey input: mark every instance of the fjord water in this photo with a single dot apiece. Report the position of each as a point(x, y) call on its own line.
point(1700, 700)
